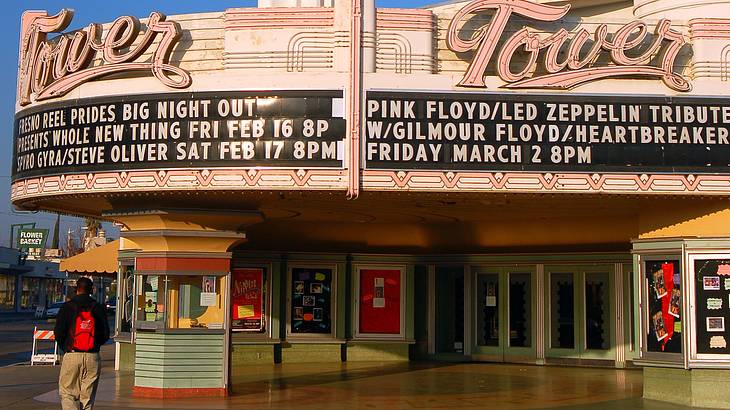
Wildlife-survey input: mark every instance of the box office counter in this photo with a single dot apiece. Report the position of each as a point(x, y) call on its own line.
point(181, 333)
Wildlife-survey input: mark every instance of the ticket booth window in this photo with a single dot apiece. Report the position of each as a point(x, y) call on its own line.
point(180, 302)
point(125, 301)
point(195, 302)
point(151, 301)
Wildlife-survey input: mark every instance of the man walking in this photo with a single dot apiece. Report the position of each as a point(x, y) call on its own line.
point(81, 328)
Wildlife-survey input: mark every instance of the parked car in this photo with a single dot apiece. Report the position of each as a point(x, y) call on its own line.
point(111, 305)
point(52, 310)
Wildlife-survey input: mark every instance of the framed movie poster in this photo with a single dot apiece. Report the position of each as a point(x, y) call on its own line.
point(380, 301)
point(248, 300)
point(311, 293)
point(664, 298)
point(712, 303)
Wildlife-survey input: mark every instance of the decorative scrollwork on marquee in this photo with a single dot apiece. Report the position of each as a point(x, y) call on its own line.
point(51, 69)
point(578, 61)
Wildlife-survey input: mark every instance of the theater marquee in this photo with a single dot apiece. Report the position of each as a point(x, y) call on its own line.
point(435, 139)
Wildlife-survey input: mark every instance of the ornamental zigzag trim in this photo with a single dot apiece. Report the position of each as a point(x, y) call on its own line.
point(179, 180)
point(423, 181)
point(546, 182)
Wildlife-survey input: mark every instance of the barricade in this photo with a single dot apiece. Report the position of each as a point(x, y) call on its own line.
point(43, 358)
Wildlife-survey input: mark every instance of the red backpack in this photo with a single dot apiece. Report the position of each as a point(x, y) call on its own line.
point(83, 333)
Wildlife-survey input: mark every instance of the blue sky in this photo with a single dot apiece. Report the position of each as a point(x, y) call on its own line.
point(86, 12)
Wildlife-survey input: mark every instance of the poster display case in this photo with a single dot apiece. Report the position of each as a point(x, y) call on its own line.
point(664, 305)
point(711, 307)
point(660, 299)
point(311, 299)
point(249, 299)
point(684, 302)
point(380, 302)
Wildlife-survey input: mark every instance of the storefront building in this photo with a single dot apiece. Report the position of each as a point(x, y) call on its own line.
point(499, 181)
point(10, 270)
point(28, 284)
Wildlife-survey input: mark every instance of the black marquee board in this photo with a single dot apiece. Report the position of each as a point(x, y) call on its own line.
point(546, 133)
point(180, 130)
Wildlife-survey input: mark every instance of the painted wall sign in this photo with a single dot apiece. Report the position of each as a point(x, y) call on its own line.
point(546, 133)
point(627, 48)
point(50, 69)
point(178, 130)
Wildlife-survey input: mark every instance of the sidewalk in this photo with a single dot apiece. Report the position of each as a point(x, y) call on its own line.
point(313, 386)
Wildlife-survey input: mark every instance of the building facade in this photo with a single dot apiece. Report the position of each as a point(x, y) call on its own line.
point(28, 284)
point(506, 181)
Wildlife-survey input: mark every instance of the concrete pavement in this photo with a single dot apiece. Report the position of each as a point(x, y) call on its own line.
point(353, 385)
point(305, 386)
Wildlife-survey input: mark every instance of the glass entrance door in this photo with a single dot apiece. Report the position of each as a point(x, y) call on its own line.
point(449, 320)
point(503, 316)
point(488, 330)
point(579, 312)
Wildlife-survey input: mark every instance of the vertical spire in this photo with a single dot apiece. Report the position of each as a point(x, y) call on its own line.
point(56, 232)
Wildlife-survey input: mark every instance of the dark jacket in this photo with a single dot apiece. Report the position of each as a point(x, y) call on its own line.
point(66, 321)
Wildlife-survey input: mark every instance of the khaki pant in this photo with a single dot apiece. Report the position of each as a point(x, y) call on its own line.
point(78, 380)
